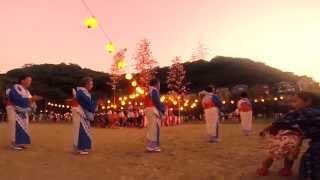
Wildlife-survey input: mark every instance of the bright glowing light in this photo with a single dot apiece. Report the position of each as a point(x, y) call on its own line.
point(232, 102)
point(132, 96)
point(256, 100)
point(110, 47)
point(108, 101)
point(163, 98)
point(121, 64)
point(139, 90)
point(281, 97)
point(91, 22)
point(103, 107)
point(141, 104)
point(262, 100)
point(128, 76)
point(123, 103)
point(134, 83)
point(175, 103)
point(224, 102)
point(276, 99)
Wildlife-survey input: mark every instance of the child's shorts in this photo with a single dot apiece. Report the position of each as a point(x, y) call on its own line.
point(284, 145)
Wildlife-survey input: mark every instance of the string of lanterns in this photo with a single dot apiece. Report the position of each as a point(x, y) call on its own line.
point(93, 23)
point(168, 100)
point(58, 105)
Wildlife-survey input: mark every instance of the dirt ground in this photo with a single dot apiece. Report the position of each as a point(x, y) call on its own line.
point(120, 154)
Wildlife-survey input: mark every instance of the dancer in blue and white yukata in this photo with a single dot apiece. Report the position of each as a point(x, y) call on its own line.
point(83, 109)
point(18, 105)
point(154, 111)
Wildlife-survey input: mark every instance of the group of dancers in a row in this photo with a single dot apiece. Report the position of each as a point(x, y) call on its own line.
point(286, 134)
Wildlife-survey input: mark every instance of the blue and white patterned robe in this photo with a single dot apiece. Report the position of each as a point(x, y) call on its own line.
point(82, 115)
point(18, 114)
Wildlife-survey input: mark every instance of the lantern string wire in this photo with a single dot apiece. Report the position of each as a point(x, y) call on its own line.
point(85, 5)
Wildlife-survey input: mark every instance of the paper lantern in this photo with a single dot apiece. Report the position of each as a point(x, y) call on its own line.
point(91, 22)
point(128, 76)
point(110, 48)
point(121, 64)
point(132, 96)
point(139, 90)
point(134, 83)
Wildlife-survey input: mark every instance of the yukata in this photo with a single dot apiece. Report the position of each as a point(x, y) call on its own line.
point(154, 111)
point(83, 109)
point(285, 144)
point(308, 120)
point(18, 108)
point(211, 105)
point(245, 112)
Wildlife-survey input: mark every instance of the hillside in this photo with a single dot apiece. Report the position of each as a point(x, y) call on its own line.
point(56, 81)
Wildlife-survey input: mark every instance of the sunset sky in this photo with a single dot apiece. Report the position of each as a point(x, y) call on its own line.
point(282, 33)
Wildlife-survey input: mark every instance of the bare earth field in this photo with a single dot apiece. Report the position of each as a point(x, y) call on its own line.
point(120, 154)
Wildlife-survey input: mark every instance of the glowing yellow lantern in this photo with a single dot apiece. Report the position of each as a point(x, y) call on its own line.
point(108, 101)
point(110, 47)
point(181, 108)
point(163, 98)
point(141, 104)
point(134, 83)
point(262, 100)
point(196, 100)
point(139, 90)
point(281, 97)
point(132, 96)
point(103, 107)
point(120, 98)
point(125, 98)
point(121, 64)
point(276, 99)
point(91, 22)
point(123, 103)
point(128, 76)
point(175, 103)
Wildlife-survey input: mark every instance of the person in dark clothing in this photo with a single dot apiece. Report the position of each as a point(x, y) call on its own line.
point(306, 117)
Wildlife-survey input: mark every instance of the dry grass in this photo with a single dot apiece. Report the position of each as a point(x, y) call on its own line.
point(119, 154)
